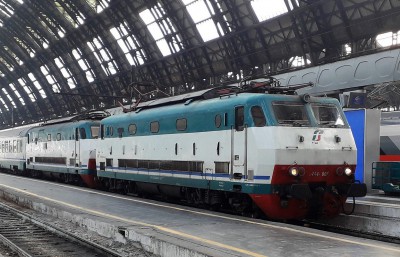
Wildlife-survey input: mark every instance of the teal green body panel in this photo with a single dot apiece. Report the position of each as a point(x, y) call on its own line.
point(219, 185)
point(66, 131)
point(201, 115)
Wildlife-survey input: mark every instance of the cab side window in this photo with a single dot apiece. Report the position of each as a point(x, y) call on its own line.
point(82, 131)
point(239, 118)
point(258, 116)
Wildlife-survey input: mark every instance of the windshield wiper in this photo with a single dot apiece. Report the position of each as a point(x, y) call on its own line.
point(328, 123)
point(298, 124)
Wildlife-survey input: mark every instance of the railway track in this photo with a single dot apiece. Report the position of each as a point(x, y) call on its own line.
point(26, 237)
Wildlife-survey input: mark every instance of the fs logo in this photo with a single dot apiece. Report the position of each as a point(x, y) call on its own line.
point(317, 136)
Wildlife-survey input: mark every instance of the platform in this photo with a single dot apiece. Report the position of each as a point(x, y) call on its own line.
point(172, 230)
point(376, 213)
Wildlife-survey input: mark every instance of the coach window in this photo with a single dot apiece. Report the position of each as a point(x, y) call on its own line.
point(181, 124)
point(154, 127)
point(132, 129)
point(218, 120)
point(48, 137)
point(111, 131)
point(239, 118)
point(58, 137)
point(258, 116)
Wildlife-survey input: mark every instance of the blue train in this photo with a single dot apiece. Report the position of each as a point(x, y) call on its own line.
point(247, 149)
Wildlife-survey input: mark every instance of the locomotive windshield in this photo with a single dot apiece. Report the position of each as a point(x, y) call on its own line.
point(291, 114)
point(327, 115)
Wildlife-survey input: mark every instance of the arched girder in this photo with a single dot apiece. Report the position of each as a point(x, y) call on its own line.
point(193, 63)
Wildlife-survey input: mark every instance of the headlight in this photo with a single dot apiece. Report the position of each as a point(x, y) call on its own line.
point(348, 171)
point(294, 171)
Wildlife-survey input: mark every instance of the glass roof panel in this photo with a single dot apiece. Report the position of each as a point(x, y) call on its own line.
point(207, 30)
point(65, 72)
point(267, 9)
point(162, 29)
point(52, 26)
point(198, 11)
point(37, 85)
point(4, 103)
point(70, 12)
point(128, 44)
point(9, 97)
point(12, 86)
point(84, 64)
point(40, 40)
point(6, 9)
point(202, 12)
point(103, 56)
point(386, 39)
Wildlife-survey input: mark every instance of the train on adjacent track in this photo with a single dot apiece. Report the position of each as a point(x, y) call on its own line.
point(251, 148)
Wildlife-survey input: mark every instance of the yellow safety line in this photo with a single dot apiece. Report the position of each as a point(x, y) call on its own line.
point(231, 218)
point(161, 228)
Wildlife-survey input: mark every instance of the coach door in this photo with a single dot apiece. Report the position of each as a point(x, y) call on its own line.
point(239, 144)
point(77, 147)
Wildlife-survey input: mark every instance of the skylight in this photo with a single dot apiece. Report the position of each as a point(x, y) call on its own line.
point(99, 5)
point(12, 86)
point(128, 44)
point(50, 79)
point(27, 89)
point(160, 27)
point(40, 40)
point(37, 85)
point(70, 12)
point(6, 9)
point(387, 39)
point(9, 97)
point(65, 72)
point(23, 45)
point(52, 26)
point(298, 61)
point(6, 63)
point(84, 64)
point(202, 12)
point(103, 56)
point(4, 104)
point(267, 9)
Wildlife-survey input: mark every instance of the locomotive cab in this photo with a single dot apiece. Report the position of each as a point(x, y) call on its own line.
point(315, 158)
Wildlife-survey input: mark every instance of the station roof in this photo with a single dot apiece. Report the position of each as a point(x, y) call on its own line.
point(63, 57)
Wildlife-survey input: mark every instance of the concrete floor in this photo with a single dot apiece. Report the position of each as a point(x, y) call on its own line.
point(172, 230)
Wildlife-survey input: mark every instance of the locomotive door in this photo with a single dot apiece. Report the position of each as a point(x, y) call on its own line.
point(239, 144)
point(77, 148)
